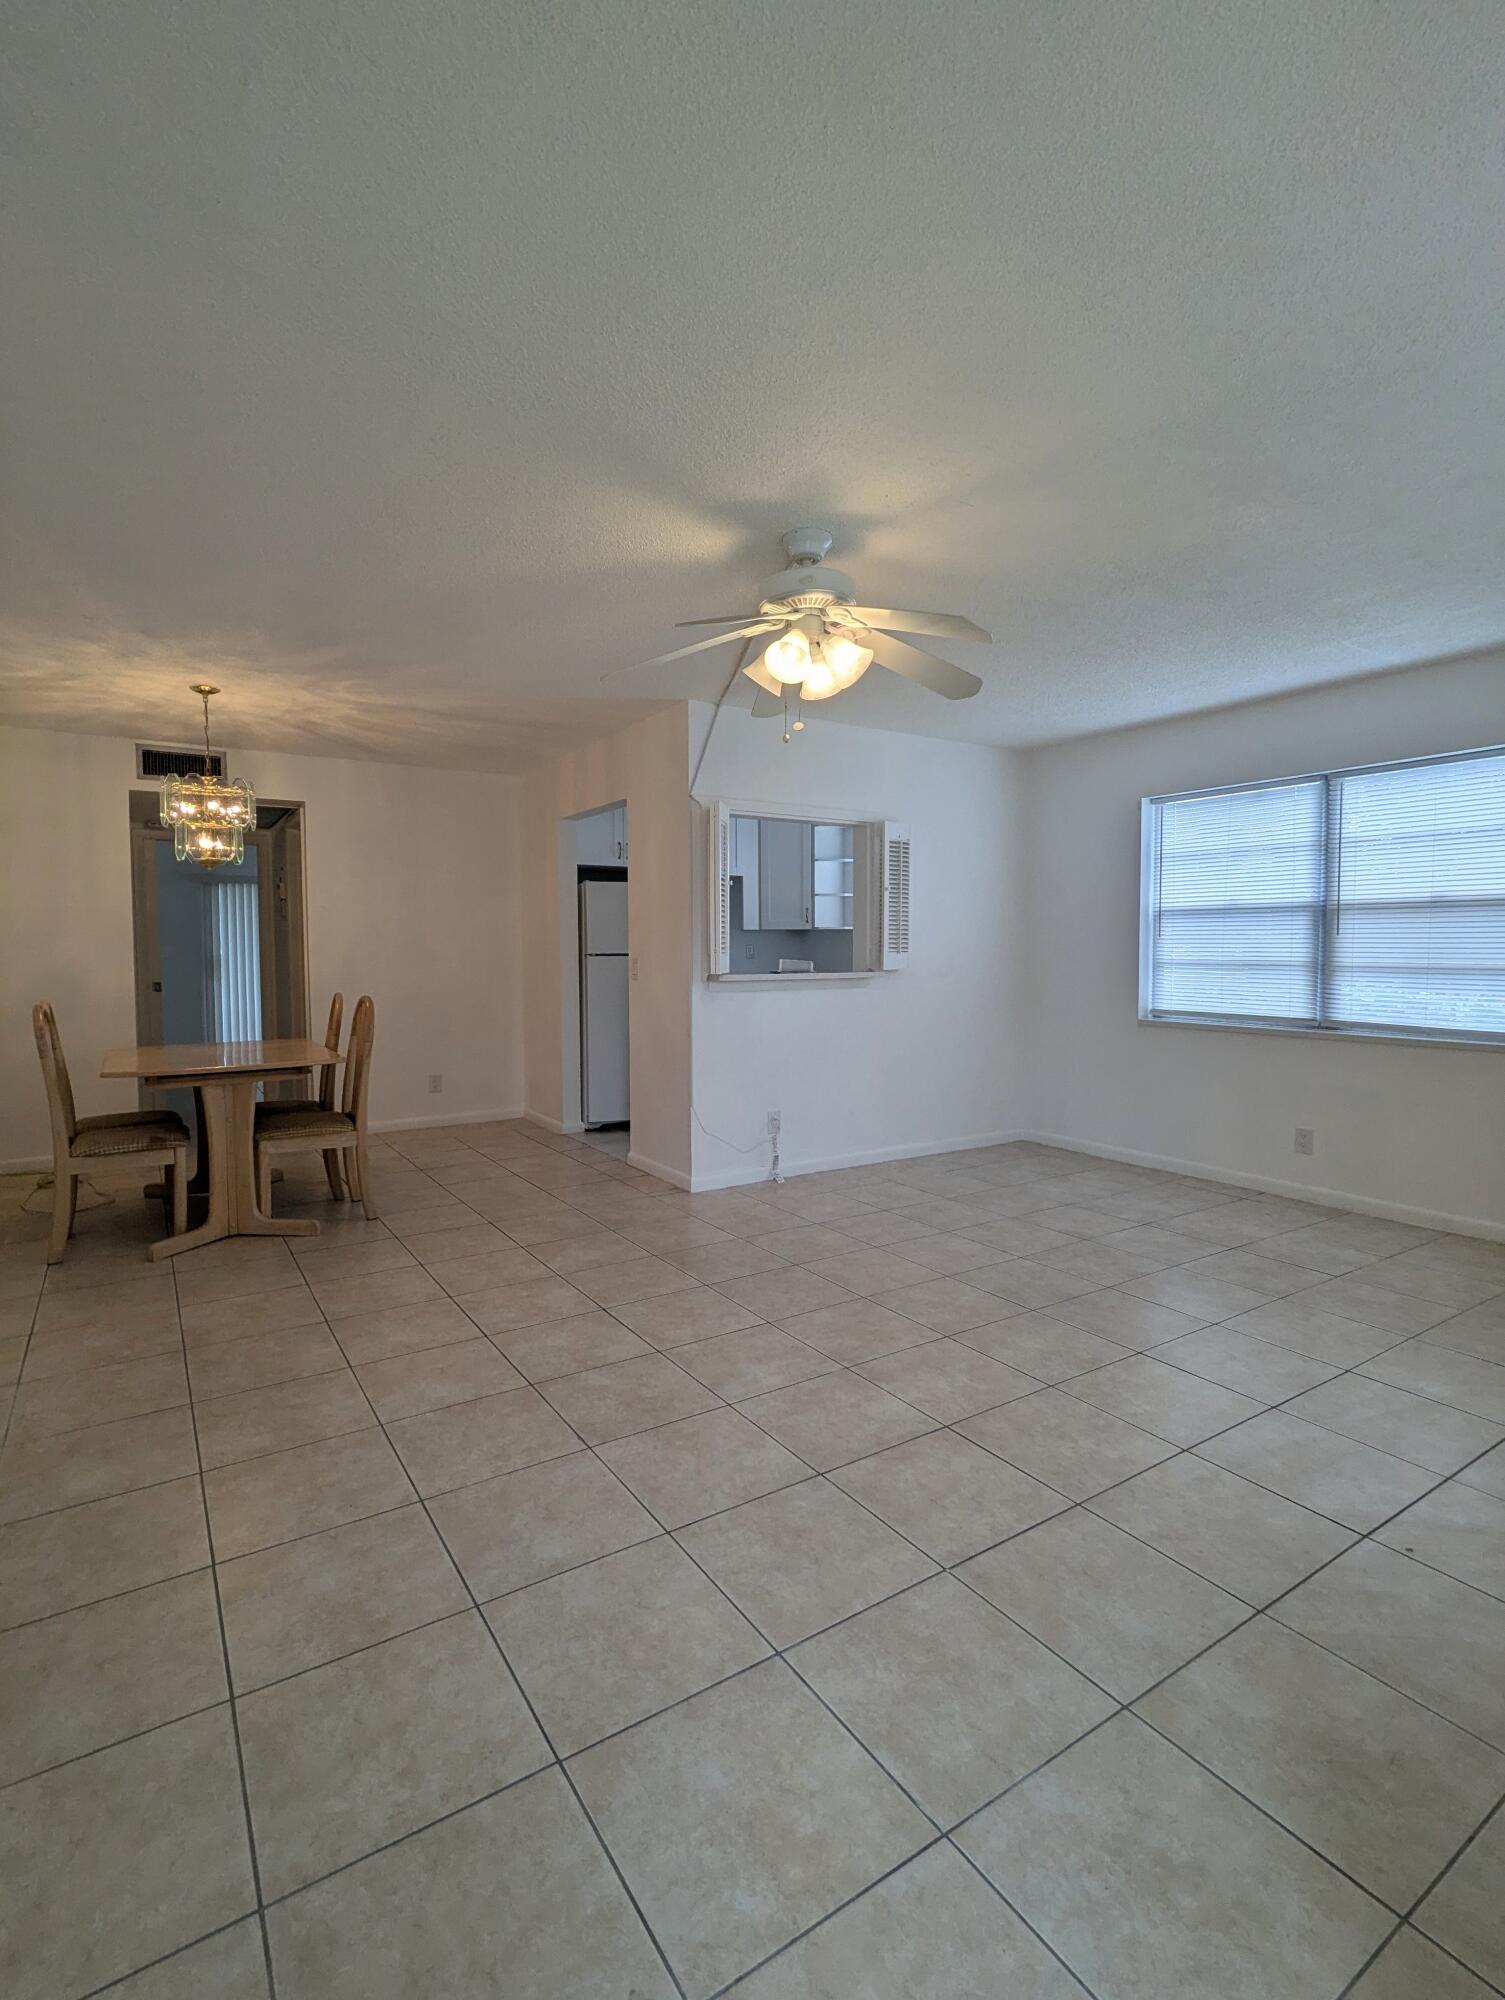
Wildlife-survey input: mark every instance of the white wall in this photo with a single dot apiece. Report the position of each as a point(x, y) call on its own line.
point(647, 766)
point(450, 896)
point(1397, 1126)
point(909, 1061)
point(412, 896)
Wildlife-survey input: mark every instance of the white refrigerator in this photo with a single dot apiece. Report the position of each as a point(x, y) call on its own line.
point(603, 1003)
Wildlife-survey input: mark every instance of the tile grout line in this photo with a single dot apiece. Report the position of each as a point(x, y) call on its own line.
point(548, 1741)
point(219, 1612)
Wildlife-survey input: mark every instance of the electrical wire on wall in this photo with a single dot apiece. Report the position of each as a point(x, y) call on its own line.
point(731, 682)
point(775, 1167)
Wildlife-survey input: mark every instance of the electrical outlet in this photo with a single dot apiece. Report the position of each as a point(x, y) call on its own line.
point(436, 1086)
point(1305, 1139)
point(775, 1124)
point(632, 966)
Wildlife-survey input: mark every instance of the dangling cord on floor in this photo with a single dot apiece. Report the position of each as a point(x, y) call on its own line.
point(45, 1183)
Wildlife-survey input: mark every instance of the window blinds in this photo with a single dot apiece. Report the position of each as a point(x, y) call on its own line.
point(1237, 915)
point(1368, 900)
point(1418, 932)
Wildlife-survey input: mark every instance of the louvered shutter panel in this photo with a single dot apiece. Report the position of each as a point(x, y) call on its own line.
point(719, 888)
point(896, 873)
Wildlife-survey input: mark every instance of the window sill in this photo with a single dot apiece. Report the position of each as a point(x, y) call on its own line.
point(790, 978)
point(1405, 1038)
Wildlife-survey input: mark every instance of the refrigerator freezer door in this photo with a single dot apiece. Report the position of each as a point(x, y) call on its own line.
point(603, 1046)
point(603, 917)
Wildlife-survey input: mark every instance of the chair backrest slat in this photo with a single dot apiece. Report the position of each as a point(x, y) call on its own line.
point(329, 1082)
point(55, 1077)
point(358, 1059)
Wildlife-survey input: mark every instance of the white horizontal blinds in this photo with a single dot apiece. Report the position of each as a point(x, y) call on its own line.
point(1418, 925)
point(1236, 904)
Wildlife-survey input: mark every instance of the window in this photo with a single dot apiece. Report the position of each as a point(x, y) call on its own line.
point(805, 896)
point(1365, 901)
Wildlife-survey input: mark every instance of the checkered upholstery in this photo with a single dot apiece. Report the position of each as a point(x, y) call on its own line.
point(276, 1121)
point(116, 1132)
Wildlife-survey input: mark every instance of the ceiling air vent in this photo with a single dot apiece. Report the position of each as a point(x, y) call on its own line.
point(171, 760)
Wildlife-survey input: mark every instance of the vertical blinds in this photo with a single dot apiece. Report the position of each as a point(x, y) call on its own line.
point(235, 961)
point(1370, 899)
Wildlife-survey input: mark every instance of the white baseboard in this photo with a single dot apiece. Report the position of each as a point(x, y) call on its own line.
point(564, 1126)
point(833, 1162)
point(33, 1163)
point(659, 1171)
point(1361, 1204)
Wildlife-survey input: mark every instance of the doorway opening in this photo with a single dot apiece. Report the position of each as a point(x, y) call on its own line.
point(221, 953)
point(601, 864)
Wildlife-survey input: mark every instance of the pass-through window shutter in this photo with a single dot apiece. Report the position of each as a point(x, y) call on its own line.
point(1417, 935)
point(896, 889)
point(719, 887)
point(1235, 904)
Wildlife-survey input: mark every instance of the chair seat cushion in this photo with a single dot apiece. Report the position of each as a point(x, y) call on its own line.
point(114, 1121)
point(277, 1121)
point(127, 1132)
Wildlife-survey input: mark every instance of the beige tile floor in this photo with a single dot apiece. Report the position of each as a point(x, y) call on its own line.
point(1005, 1575)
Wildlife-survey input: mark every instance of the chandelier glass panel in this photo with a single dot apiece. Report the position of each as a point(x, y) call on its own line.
point(209, 816)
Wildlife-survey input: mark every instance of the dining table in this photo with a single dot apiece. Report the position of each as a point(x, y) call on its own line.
point(224, 1077)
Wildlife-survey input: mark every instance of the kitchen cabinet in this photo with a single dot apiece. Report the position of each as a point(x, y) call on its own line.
point(601, 839)
point(744, 866)
point(785, 874)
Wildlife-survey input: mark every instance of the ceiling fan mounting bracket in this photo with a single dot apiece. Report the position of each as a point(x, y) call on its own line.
point(806, 545)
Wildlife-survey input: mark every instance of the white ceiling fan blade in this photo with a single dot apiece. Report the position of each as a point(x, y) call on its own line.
point(682, 624)
point(768, 704)
point(759, 675)
point(937, 675)
point(703, 645)
point(937, 624)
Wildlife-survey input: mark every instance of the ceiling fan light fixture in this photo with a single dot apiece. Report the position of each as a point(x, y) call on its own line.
point(821, 680)
point(847, 661)
point(787, 657)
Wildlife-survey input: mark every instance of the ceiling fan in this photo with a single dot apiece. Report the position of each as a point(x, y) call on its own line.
point(820, 641)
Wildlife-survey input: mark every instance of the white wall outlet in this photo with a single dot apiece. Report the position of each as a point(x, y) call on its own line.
point(1305, 1139)
point(436, 1086)
point(632, 966)
point(775, 1124)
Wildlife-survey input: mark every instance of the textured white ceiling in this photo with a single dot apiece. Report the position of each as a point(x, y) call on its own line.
point(405, 368)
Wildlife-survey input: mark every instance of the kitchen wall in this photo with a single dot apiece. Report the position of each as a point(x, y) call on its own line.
point(647, 767)
point(1399, 1126)
point(905, 1062)
point(413, 896)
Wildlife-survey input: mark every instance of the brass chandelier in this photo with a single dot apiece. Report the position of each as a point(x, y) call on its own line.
point(208, 815)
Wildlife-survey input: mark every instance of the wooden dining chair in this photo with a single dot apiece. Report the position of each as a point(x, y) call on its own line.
point(328, 1098)
point(155, 1138)
point(282, 1129)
